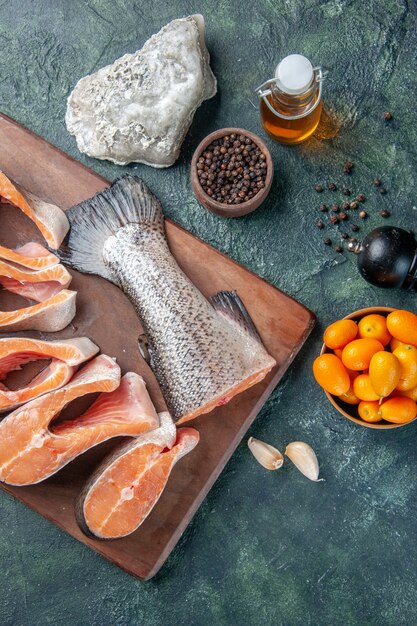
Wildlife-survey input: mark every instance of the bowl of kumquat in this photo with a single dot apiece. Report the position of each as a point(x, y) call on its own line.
point(368, 367)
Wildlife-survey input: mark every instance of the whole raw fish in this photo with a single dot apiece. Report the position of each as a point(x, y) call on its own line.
point(202, 352)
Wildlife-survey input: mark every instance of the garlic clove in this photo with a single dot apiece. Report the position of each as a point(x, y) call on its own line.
point(269, 457)
point(304, 459)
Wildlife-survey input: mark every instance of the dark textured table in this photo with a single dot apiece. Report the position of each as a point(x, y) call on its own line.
point(265, 548)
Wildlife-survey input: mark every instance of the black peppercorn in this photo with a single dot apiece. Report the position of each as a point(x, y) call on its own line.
point(343, 216)
point(344, 236)
point(376, 182)
point(318, 188)
point(387, 116)
point(360, 198)
point(339, 249)
point(346, 191)
point(334, 219)
point(331, 187)
point(320, 225)
point(384, 213)
point(348, 167)
point(327, 241)
point(382, 190)
point(227, 172)
point(355, 228)
point(353, 204)
point(324, 208)
point(345, 206)
point(335, 208)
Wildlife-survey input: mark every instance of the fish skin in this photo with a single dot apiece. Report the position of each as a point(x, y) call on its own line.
point(202, 353)
point(128, 483)
point(33, 449)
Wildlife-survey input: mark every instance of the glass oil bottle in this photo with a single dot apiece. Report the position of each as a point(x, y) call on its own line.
point(291, 102)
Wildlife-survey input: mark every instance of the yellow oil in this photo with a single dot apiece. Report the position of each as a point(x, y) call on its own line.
point(289, 131)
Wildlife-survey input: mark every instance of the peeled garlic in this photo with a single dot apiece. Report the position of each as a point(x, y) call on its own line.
point(269, 457)
point(304, 459)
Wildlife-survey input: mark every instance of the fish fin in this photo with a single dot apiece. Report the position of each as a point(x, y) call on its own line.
point(143, 346)
point(146, 350)
point(229, 304)
point(93, 221)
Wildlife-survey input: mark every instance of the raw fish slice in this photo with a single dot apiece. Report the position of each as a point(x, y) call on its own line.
point(56, 273)
point(50, 219)
point(16, 351)
point(202, 352)
point(32, 255)
point(55, 375)
point(127, 485)
point(39, 292)
point(48, 316)
point(38, 285)
point(29, 451)
point(32, 449)
point(66, 355)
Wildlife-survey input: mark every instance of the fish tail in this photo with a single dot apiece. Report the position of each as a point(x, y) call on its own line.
point(229, 304)
point(93, 221)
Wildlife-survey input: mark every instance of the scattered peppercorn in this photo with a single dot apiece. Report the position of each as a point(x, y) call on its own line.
point(324, 208)
point(232, 169)
point(335, 208)
point(382, 190)
point(353, 204)
point(334, 219)
point(355, 228)
point(343, 216)
point(384, 213)
point(318, 188)
point(339, 249)
point(320, 225)
point(331, 187)
point(360, 198)
point(346, 191)
point(348, 167)
point(345, 206)
point(376, 182)
point(387, 116)
point(344, 235)
point(363, 214)
point(327, 241)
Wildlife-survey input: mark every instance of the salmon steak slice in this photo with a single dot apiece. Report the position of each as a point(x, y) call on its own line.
point(50, 315)
point(32, 255)
point(33, 448)
point(50, 219)
point(66, 355)
point(38, 285)
point(126, 486)
point(31, 271)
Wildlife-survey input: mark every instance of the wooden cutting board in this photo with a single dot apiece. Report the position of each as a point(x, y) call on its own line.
point(106, 316)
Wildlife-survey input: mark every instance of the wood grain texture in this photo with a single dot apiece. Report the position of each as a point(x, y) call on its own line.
point(106, 316)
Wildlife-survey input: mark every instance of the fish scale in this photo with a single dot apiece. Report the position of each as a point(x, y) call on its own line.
point(202, 352)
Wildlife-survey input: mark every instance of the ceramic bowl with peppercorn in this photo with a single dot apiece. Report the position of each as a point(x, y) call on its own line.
point(368, 367)
point(231, 172)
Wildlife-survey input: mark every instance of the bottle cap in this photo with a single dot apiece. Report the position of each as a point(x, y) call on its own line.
point(294, 74)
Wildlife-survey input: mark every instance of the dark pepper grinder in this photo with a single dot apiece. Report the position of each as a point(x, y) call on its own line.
point(387, 257)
